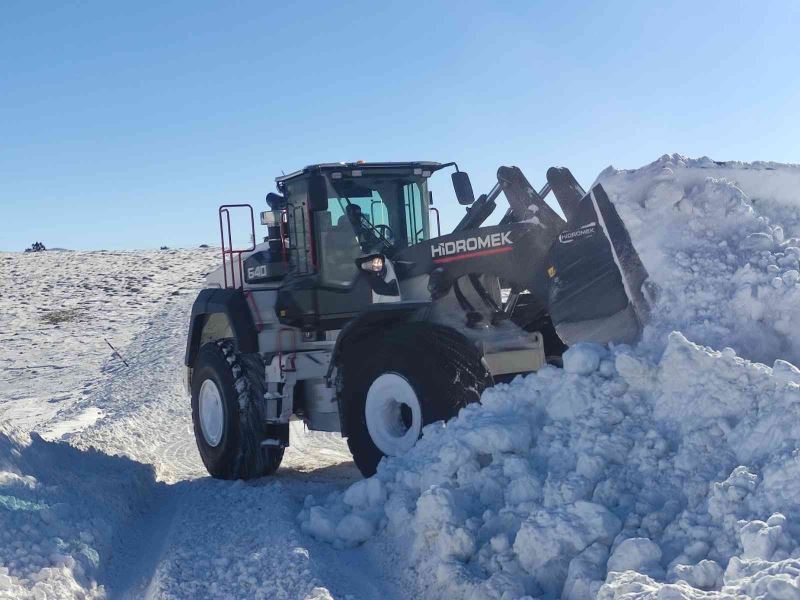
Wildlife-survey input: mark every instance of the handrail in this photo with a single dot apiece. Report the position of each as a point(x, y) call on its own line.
point(438, 223)
point(229, 251)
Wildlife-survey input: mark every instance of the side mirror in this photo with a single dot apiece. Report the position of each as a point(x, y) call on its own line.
point(317, 193)
point(463, 188)
point(375, 267)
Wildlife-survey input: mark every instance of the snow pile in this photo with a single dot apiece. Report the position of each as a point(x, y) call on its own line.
point(670, 470)
point(562, 476)
point(59, 511)
point(720, 241)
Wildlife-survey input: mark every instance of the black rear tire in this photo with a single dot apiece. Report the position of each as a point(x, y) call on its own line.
point(444, 369)
point(239, 379)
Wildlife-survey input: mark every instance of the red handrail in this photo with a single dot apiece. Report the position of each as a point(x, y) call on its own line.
point(229, 251)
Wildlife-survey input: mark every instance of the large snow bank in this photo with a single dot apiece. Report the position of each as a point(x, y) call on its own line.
point(558, 475)
point(670, 470)
point(720, 241)
point(60, 508)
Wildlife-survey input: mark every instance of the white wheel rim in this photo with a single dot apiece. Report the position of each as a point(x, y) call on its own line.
point(212, 417)
point(385, 399)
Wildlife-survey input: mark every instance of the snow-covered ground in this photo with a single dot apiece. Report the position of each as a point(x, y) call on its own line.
point(60, 310)
point(666, 470)
point(102, 493)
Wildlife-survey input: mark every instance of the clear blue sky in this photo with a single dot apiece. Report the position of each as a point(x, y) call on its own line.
point(124, 125)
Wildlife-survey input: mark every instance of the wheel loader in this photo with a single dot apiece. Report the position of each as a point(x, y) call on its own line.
point(358, 315)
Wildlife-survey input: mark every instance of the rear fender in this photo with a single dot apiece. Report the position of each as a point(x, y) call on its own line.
point(224, 310)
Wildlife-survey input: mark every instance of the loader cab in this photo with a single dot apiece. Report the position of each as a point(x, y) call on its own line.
point(336, 213)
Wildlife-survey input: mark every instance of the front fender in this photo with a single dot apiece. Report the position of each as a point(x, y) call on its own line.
point(372, 319)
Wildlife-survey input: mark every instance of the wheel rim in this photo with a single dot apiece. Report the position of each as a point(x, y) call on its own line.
point(393, 414)
point(212, 416)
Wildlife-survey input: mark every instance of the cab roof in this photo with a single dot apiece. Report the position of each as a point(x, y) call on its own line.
point(361, 166)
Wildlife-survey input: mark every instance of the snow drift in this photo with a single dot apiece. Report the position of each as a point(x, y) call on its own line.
point(671, 469)
point(60, 509)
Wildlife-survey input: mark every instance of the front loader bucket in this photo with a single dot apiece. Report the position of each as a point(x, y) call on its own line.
point(596, 276)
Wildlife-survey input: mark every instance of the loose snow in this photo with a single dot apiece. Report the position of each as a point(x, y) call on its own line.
point(668, 470)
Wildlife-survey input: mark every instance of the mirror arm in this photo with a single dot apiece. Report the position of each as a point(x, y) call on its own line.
point(449, 164)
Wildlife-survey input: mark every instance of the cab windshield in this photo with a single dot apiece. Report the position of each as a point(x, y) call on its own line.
point(370, 214)
point(393, 207)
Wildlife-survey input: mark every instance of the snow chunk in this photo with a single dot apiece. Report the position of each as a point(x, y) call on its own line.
point(785, 372)
point(369, 492)
point(705, 575)
point(354, 529)
point(586, 573)
point(583, 358)
point(636, 554)
point(758, 241)
point(319, 593)
point(760, 539)
point(549, 539)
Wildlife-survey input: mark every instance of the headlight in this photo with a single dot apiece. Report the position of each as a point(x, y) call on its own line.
point(375, 263)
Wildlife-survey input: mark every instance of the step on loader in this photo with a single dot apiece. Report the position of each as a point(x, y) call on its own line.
point(357, 315)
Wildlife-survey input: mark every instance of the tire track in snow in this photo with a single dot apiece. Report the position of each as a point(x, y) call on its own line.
point(204, 537)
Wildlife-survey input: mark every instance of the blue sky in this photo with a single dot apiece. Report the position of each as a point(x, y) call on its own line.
point(125, 125)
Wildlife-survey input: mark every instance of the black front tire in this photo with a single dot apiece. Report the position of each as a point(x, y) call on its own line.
point(240, 382)
point(441, 365)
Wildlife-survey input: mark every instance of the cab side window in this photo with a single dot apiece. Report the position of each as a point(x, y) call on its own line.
point(299, 227)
